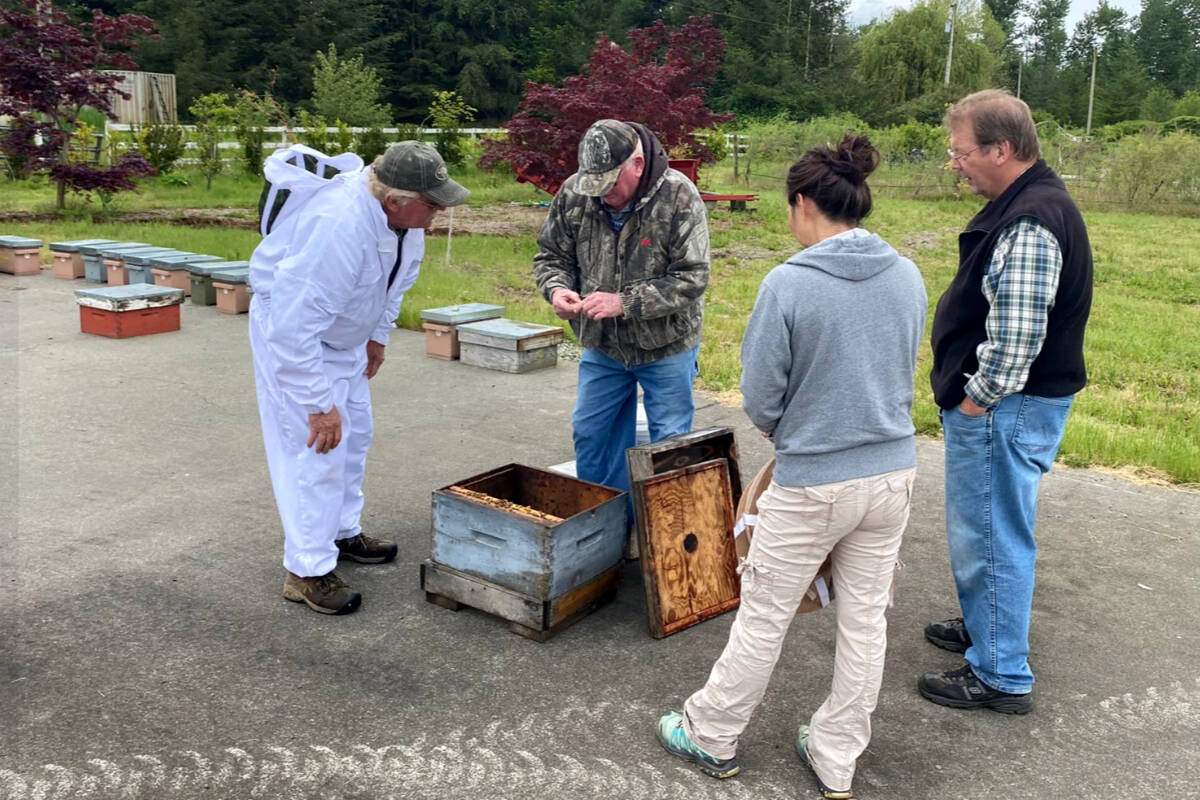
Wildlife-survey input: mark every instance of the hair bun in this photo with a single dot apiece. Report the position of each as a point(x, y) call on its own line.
point(854, 158)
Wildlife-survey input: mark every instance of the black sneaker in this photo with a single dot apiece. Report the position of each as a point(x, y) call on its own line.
point(949, 634)
point(366, 549)
point(960, 688)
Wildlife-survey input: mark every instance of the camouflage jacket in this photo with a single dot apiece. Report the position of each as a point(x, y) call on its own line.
point(658, 264)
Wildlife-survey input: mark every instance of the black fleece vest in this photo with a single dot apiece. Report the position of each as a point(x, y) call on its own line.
point(958, 324)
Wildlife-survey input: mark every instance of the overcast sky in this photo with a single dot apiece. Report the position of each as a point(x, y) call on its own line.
point(863, 11)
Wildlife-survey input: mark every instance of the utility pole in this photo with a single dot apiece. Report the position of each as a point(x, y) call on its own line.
point(808, 39)
point(950, 52)
point(1091, 94)
point(1020, 67)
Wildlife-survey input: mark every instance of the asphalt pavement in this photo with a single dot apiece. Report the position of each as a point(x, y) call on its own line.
point(146, 650)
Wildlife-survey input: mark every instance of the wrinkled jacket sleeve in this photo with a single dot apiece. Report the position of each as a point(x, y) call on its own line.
point(766, 362)
point(687, 268)
point(555, 266)
point(412, 251)
point(313, 285)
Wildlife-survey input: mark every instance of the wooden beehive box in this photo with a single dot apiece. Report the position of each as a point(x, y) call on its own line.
point(138, 267)
point(68, 256)
point(200, 275)
point(93, 258)
point(689, 566)
point(441, 326)
point(20, 255)
point(231, 287)
point(532, 546)
point(121, 312)
point(509, 345)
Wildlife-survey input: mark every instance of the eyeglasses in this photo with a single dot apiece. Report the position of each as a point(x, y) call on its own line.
point(954, 156)
point(421, 199)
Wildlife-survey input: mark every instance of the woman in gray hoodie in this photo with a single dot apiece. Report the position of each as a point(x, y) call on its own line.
point(827, 374)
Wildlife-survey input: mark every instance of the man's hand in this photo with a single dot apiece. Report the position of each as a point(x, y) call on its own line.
point(325, 430)
point(566, 303)
point(602, 305)
point(971, 408)
point(375, 358)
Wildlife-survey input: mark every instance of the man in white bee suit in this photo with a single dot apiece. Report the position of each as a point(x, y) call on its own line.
point(328, 279)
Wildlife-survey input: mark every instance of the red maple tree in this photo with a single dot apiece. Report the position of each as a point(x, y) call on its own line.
point(660, 84)
point(50, 69)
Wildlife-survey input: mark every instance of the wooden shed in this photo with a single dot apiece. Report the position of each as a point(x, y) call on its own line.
point(151, 97)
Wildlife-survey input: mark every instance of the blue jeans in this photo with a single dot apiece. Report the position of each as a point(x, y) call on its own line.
point(994, 465)
point(605, 418)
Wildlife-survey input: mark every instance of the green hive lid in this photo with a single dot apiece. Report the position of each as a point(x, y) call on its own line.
point(141, 258)
point(77, 245)
point(238, 275)
point(181, 257)
point(21, 242)
point(117, 250)
point(209, 267)
point(129, 297)
point(505, 328)
point(457, 315)
point(94, 249)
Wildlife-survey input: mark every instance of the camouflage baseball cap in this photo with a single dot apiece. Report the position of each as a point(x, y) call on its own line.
point(605, 146)
point(417, 167)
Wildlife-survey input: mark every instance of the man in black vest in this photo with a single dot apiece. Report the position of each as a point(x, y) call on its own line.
point(1007, 362)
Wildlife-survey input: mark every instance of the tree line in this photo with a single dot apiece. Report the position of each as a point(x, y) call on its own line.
point(791, 58)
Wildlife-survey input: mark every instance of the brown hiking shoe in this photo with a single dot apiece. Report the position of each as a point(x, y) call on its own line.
point(367, 549)
point(325, 594)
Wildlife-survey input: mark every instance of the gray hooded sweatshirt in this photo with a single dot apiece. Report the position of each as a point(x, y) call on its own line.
point(828, 360)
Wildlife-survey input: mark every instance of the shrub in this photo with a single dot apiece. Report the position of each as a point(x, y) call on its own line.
point(1146, 168)
point(371, 143)
point(162, 144)
point(449, 112)
point(1186, 124)
point(314, 134)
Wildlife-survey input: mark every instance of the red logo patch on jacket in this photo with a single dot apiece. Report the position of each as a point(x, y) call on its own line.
point(645, 242)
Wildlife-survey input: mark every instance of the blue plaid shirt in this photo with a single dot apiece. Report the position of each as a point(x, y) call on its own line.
point(1020, 285)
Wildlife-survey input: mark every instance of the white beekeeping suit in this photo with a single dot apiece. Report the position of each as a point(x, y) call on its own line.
point(321, 291)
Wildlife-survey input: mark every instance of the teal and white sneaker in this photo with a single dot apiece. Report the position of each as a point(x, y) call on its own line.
point(675, 741)
point(802, 751)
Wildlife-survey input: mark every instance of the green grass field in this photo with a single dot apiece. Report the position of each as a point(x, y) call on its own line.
point(1141, 410)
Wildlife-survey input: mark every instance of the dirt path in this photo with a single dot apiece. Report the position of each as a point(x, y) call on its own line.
point(509, 219)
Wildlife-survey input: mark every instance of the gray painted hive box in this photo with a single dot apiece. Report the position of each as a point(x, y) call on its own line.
point(77, 245)
point(535, 532)
point(93, 260)
point(137, 263)
point(509, 345)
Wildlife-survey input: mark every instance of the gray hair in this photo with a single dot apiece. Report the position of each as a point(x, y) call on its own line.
point(996, 116)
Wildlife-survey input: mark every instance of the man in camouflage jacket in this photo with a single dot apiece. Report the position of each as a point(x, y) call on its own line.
point(623, 255)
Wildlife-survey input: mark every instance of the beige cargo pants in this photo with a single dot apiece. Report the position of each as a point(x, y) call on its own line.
point(861, 521)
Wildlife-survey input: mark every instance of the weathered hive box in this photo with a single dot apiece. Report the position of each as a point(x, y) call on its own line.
point(441, 326)
point(114, 262)
point(121, 312)
point(93, 258)
point(527, 529)
point(68, 257)
point(231, 287)
point(529, 537)
point(200, 276)
point(167, 270)
point(137, 264)
point(509, 345)
point(20, 255)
